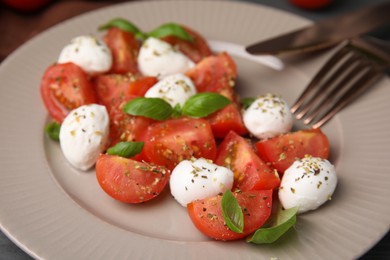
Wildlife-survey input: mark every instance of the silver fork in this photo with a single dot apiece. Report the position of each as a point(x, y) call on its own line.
point(348, 73)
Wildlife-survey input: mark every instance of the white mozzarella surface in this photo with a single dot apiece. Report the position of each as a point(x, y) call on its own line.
point(89, 53)
point(199, 179)
point(159, 59)
point(84, 134)
point(175, 89)
point(307, 184)
point(268, 116)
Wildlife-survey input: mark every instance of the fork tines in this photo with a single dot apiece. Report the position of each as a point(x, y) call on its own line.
point(346, 75)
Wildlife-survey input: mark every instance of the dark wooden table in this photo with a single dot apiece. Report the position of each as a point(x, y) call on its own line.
point(16, 28)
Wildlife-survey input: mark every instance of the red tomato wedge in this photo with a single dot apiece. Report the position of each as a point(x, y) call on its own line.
point(113, 88)
point(281, 151)
point(169, 142)
point(216, 73)
point(130, 181)
point(141, 85)
point(250, 172)
point(207, 216)
point(124, 48)
point(227, 119)
point(65, 87)
point(196, 49)
point(125, 127)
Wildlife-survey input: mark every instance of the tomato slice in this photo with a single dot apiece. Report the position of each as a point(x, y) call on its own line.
point(124, 48)
point(250, 172)
point(65, 87)
point(207, 216)
point(169, 142)
point(227, 119)
point(281, 151)
point(196, 50)
point(141, 85)
point(216, 73)
point(113, 87)
point(128, 180)
point(125, 127)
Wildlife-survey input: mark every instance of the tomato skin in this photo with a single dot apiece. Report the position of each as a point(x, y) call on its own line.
point(216, 73)
point(113, 87)
point(130, 181)
point(250, 172)
point(207, 216)
point(26, 5)
point(125, 127)
point(195, 50)
point(65, 87)
point(141, 85)
point(311, 4)
point(169, 142)
point(281, 151)
point(124, 48)
point(227, 119)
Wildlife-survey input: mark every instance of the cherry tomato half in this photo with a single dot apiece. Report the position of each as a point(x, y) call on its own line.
point(207, 216)
point(65, 87)
point(130, 181)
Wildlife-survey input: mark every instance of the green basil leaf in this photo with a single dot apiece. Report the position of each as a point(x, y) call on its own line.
point(53, 130)
point(126, 149)
point(247, 102)
point(155, 108)
point(170, 29)
point(232, 212)
point(122, 24)
point(204, 104)
point(177, 111)
point(284, 220)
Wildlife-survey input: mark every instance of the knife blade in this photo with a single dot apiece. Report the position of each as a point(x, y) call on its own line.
point(325, 33)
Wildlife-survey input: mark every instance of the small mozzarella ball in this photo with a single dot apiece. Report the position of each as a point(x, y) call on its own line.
point(199, 179)
point(307, 184)
point(175, 89)
point(89, 53)
point(268, 116)
point(84, 135)
point(159, 59)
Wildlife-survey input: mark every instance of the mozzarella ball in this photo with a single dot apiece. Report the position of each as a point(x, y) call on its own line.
point(199, 179)
point(84, 135)
point(268, 116)
point(89, 53)
point(159, 59)
point(175, 89)
point(307, 184)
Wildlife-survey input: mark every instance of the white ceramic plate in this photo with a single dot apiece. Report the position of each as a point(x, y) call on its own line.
point(55, 212)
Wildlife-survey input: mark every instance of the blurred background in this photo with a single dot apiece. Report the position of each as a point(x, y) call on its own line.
point(22, 19)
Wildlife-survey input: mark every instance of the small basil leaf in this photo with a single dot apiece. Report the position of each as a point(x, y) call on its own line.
point(170, 29)
point(247, 102)
point(285, 219)
point(155, 108)
point(126, 149)
point(204, 104)
point(53, 130)
point(122, 24)
point(232, 212)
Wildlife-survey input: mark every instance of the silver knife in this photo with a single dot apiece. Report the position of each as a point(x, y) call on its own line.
point(326, 33)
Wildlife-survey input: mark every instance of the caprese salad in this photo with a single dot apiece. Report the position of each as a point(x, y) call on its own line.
point(158, 110)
